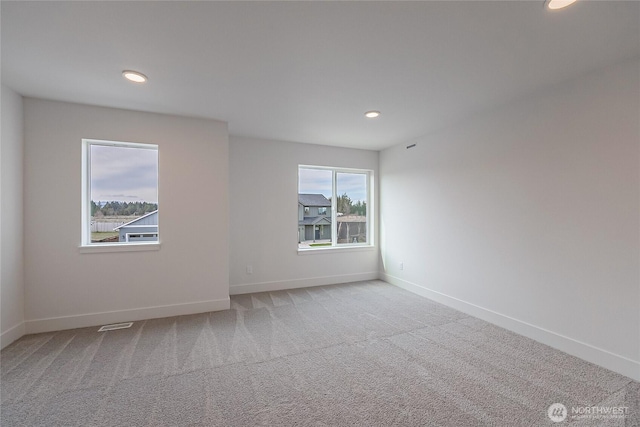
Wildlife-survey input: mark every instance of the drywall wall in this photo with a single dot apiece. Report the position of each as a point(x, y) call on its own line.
point(11, 224)
point(528, 216)
point(264, 218)
point(65, 287)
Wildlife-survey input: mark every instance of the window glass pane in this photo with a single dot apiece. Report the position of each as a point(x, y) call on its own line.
point(315, 181)
point(351, 216)
point(314, 207)
point(123, 183)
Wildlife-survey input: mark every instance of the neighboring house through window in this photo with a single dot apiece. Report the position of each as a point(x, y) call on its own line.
point(314, 225)
point(332, 207)
point(120, 193)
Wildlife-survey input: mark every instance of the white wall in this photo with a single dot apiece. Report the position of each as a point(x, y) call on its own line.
point(528, 216)
point(264, 218)
point(65, 288)
point(11, 224)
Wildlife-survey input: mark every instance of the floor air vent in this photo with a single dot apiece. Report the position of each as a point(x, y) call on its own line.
point(115, 326)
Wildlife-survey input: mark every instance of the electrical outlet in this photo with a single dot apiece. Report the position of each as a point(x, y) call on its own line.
point(249, 269)
point(402, 266)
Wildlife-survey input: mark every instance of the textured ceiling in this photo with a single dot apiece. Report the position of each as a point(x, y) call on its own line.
point(307, 71)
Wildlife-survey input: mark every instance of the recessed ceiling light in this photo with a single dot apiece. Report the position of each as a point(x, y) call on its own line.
point(372, 114)
point(134, 76)
point(558, 4)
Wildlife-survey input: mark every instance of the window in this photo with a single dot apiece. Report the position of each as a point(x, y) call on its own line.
point(334, 202)
point(120, 193)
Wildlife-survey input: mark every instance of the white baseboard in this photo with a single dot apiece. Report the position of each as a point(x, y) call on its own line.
point(281, 285)
point(598, 356)
point(12, 334)
point(95, 319)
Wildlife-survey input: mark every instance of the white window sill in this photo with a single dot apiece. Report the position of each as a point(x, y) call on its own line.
point(334, 249)
point(119, 247)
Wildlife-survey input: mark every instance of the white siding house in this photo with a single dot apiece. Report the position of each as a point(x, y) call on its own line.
point(143, 229)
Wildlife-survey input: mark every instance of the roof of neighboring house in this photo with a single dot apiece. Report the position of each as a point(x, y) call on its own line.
point(136, 220)
point(313, 200)
point(314, 220)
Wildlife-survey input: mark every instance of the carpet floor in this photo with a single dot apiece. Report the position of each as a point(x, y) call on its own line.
point(360, 354)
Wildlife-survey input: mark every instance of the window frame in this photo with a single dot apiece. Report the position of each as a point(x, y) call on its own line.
point(86, 246)
point(370, 224)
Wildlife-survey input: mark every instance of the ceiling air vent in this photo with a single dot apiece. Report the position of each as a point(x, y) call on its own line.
point(115, 326)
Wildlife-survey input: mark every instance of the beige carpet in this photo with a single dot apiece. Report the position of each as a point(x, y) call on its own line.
point(362, 354)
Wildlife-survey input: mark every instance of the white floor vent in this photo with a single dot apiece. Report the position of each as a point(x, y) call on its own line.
point(115, 326)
